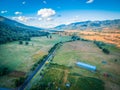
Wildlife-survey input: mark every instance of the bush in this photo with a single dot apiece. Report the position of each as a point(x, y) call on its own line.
point(20, 42)
point(105, 50)
point(4, 71)
point(26, 43)
point(74, 37)
point(99, 44)
point(19, 81)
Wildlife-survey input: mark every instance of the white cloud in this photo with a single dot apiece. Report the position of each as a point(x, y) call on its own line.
point(18, 13)
point(46, 12)
point(23, 2)
point(4, 11)
point(21, 18)
point(49, 19)
point(39, 19)
point(90, 1)
point(44, 2)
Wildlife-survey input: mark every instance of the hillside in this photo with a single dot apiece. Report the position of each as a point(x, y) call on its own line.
point(11, 30)
point(94, 25)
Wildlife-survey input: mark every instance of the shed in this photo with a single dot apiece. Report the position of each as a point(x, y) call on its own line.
point(86, 66)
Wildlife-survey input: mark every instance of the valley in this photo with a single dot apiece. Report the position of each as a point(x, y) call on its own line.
point(26, 62)
point(20, 60)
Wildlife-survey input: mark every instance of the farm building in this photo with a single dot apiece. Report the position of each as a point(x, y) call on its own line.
point(86, 66)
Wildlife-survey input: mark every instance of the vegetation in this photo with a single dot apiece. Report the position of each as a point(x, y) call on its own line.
point(20, 42)
point(16, 31)
point(19, 81)
point(74, 37)
point(87, 52)
point(56, 78)
point(101, 46)
point(4, 71)
point(24, 58)
point(106, 51)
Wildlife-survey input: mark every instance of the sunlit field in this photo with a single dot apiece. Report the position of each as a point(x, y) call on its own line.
point(19, 59)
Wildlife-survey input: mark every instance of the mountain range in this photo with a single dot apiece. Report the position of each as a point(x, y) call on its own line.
point(11, 30)
point(94, 25)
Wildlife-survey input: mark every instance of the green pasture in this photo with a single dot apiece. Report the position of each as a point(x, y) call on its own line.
point(88, 52)
point(17, 57)
point(58, 76)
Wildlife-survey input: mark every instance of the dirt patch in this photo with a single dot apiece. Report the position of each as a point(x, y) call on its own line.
point(17, 74)
point(65, 76)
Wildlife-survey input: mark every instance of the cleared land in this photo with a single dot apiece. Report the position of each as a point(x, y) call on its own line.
point(89, 53)
point(108, 36)
point(64, 70)
point(19, 59)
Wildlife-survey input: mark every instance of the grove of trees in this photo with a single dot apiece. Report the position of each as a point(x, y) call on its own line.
point(10, 33)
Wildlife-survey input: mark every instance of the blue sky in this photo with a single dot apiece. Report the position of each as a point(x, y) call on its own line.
point(50, 13)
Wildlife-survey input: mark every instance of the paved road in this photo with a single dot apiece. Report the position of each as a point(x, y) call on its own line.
point(22, 87)
point(5, 89)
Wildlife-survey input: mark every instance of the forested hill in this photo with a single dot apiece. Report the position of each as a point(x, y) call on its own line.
point(11, 30)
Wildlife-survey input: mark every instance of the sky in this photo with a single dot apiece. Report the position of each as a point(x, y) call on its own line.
point(50, 13)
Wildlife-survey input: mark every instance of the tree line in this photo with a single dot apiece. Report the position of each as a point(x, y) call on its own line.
point(14, 33)
point(101, 46)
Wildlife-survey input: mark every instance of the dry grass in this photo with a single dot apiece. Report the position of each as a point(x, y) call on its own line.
point(108, 36)
point(17, 74)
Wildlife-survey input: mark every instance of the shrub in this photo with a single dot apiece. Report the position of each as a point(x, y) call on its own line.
point(4, 71)
point(20, 42)
point(19, 81)
point(26, 43)
point(105, 50)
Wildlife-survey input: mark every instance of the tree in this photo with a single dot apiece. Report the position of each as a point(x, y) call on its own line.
point(105, 50)
point(47, 36)
point(19, 81)
point(74, 37)
point(26, 43)
point(4, 71)
point(20, 42)
point(50, 36)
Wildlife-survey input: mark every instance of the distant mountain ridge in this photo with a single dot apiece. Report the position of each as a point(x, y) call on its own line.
point(17, 24)
point(94, 25)
point(11, 30)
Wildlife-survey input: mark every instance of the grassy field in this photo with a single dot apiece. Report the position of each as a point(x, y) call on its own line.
point(89, 53)
point(65, 70)
point(19, 59)
point(58, 76)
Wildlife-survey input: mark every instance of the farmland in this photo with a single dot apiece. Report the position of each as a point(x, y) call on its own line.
point(63, 69)
point(19, 59)
point(106, 35)
point(87, 52)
